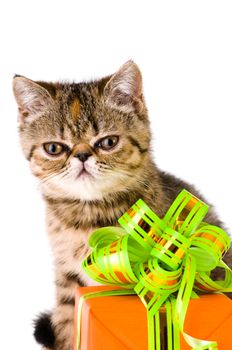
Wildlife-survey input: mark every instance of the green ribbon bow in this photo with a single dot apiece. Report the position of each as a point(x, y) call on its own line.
point(162, 261)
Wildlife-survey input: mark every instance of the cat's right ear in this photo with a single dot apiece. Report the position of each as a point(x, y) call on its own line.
point(32, 98)
point(124, 89)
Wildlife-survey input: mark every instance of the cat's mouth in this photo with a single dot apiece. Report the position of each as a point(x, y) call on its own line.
point(83, 174)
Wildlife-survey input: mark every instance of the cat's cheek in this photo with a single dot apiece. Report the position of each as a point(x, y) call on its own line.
point(134, 158)
point(75, 167)
point(92, 167)
point(36, 169)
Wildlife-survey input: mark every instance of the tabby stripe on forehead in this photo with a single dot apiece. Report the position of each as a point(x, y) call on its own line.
point(136, 144)
point(94, 124)
point(62, 132)
point(71, 128)
point(75, 109)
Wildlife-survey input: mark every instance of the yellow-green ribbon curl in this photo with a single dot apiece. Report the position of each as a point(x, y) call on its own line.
point(164, 261)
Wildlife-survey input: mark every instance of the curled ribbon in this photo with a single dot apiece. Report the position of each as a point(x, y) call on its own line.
point(163, 261)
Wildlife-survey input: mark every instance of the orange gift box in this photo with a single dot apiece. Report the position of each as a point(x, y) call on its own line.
point(120, 322)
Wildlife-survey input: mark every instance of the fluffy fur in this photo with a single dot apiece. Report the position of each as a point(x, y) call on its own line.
point(87, 186)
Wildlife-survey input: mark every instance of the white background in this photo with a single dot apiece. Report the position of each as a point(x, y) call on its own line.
point(184, 50)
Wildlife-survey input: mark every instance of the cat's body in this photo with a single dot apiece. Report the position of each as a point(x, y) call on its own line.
point(89, 145)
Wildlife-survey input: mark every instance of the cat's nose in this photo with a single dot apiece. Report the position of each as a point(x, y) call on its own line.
point(83, 156)
point(82, 151)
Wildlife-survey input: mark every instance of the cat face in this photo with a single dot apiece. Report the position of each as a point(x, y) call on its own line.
point(88, 140)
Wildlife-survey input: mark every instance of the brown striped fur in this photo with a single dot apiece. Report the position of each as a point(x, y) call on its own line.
point(78, 115)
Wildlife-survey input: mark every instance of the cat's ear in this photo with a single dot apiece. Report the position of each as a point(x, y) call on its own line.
point(124, 89)
point(32, 98)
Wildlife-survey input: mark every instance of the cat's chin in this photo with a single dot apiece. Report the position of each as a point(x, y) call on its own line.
point(84, 175)
point(84, 188)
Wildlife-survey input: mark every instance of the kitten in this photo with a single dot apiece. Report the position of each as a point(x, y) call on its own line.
point(89, 146)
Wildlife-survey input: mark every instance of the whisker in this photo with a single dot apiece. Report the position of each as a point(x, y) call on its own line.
point(51, 176)
point(105, 166)
point(61, 170)
point(128, 174)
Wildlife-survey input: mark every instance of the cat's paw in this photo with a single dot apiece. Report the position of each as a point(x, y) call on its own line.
point(43, 332)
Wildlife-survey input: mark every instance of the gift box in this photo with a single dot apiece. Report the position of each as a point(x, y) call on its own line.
point(161, 266)
point(120, 322)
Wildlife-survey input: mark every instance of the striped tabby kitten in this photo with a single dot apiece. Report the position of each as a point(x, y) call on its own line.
point(89, 146)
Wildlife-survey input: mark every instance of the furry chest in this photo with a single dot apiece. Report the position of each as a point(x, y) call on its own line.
point(70, 247)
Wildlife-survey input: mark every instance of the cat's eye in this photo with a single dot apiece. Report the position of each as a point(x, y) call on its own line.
point(54, 148)
point(107, 143)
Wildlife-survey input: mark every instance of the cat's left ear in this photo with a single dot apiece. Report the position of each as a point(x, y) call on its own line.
point(32, 98)
point(124, 89)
